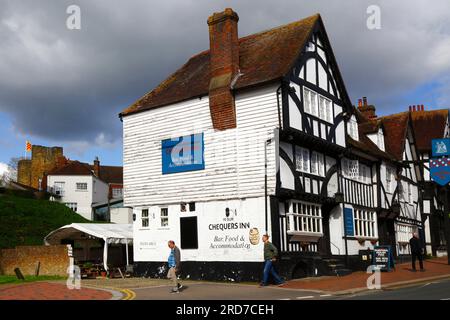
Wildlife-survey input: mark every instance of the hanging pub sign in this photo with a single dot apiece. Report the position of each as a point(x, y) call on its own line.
point(382, 258)
point(440, 147)
point(183, 154)
point(440, 170)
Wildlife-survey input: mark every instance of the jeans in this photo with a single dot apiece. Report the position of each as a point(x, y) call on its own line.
point(418, 256)
point(269, 269)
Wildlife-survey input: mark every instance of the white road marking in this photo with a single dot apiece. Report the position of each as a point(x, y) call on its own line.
point(325, 295)
point(305, 297)
point(446, 299)
point(285, 299)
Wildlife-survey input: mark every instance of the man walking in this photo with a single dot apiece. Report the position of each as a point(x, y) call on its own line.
point(270, 254)
point(416, 251)
point(174, 263)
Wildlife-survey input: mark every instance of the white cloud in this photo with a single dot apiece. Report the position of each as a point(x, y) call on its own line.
point(3, 168)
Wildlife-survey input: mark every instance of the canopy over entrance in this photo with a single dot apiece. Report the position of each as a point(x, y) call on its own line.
point(109, 232)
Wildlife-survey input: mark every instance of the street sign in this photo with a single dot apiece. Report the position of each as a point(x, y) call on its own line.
point(440, 170)
point(440, 147)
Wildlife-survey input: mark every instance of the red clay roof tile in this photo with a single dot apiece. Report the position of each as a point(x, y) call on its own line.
point(263, 57)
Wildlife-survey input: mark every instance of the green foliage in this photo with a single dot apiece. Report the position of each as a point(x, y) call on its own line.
point(26, 221)
point(13, 279)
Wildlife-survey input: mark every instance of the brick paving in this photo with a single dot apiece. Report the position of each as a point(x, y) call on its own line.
point(50, 291)
point(433, 268)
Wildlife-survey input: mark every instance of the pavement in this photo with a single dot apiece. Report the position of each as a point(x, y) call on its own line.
point(55, 291)
point(401, 283)
point(357, 281)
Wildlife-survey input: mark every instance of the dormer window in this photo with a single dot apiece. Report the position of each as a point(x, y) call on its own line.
point(353, 128)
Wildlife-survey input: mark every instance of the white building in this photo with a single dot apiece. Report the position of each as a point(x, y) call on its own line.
point(196, 148)
point(81, 186)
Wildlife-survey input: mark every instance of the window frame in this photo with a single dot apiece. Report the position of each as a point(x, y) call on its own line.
point(146, 218)
point(164, 217)
point(365, 223)
point(77, 186)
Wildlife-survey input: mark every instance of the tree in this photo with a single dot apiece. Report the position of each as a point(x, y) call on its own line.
point(11, 173)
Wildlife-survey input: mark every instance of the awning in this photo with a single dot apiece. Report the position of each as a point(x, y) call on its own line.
point(111, 233)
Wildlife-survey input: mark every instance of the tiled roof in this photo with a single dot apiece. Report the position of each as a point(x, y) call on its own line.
point(366, 145)
point(263, 57)
point(428, 125)
point(108, 174)
point(73, 168)
point(395, 129)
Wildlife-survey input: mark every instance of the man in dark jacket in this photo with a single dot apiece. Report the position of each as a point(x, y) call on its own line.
point(416, 251)
point(270, 255)
point(174, 263)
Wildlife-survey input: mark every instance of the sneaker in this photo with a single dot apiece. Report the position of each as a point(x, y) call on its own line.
point(263, 285)
point(281, 283)
point(180, 286)
point(174, 291)
point(413, 270)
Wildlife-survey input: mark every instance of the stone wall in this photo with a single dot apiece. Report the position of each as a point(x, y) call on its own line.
point(24, 172)
point(43, 159)
point(54, 260)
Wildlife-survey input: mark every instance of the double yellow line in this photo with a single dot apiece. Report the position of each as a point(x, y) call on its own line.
point(128, 294)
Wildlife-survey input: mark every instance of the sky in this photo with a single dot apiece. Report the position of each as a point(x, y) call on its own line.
point(62, 87)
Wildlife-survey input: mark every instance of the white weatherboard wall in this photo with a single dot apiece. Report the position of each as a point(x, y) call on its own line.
point(234, 158)
point(216, 242)
point(233, 176)
point(83, 198)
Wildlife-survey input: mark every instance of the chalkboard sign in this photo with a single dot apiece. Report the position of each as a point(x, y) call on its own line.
point(348, 216)
point(383, 259)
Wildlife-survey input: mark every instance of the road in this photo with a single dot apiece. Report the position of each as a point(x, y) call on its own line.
point(436, 290)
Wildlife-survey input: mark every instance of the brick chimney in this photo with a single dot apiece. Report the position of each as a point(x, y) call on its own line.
point(97, 167)
point(368, 111)
point(224, 66)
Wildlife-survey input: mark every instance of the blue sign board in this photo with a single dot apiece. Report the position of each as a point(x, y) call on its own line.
point(348, 216)
point(440, 147)
point(183, 154)
point(440, 170)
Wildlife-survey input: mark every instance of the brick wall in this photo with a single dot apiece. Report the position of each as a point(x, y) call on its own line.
point(54, 260)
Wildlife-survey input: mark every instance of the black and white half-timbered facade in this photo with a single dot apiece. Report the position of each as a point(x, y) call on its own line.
point(256, 135)
point(428, 125)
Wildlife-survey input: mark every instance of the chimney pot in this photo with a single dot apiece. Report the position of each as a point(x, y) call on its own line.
point(365, 101)
point(359, 102)
point(414, 107)
point(410, 108)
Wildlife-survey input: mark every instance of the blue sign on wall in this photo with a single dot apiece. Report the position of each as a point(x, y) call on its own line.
point(440, 170)
point(440, 147)
point(348, 216)
point(183, 154)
